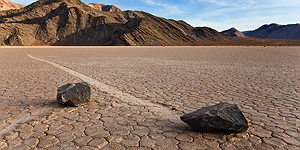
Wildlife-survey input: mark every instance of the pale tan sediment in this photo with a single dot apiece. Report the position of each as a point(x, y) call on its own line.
point(165, 112)
point(264, 82)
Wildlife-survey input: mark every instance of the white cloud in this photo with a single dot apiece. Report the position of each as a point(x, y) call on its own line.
point(282, 3)
point(247, 23)
point(245, 14)
point(192, 1)
point(217, 2)
point(163, 8)
point(173, 8)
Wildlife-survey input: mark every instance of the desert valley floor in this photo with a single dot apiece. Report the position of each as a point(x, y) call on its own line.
point(157, 86)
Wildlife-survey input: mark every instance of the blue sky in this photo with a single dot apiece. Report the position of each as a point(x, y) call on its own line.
point(218, 14)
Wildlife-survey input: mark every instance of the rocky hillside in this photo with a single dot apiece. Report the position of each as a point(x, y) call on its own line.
point(233, 32)
point(71, 22)
point(276, 31)
point(7, 5)
point(103, 7)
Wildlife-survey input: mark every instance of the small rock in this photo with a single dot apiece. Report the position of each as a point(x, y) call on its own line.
point(74, 94)
point(223, 117)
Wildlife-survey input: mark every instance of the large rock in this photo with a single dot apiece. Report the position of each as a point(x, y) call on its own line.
point(223, 117)
point(74, 94)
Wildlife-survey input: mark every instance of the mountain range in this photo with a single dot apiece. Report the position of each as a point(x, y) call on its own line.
point(270, 31)
point(277, 31)
point(72, 22)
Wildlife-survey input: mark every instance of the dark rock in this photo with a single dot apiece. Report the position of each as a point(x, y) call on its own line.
point(74, 94)
point(223, 117)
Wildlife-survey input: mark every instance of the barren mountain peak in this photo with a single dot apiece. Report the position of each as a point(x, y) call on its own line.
point(103, 7)
point(233, 32)
point(7, 5)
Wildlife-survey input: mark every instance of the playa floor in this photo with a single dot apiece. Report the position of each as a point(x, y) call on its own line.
point(139, 93)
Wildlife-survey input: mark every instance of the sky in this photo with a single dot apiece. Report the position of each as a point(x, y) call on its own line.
point(218, 14)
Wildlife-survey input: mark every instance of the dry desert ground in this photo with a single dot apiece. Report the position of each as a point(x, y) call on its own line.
point(139, 93)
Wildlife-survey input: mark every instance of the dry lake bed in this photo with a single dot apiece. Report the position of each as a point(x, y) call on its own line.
point(139, 93)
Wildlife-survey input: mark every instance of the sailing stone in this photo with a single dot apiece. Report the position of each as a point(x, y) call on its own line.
point(223, 117)
point(74, 94)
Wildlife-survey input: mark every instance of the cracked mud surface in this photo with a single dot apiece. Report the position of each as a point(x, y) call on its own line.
point(263, 82)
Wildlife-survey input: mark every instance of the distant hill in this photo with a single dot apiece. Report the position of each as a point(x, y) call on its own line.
point(246, 31)
point(71, 22)
point(236, 41)
point(7, 5)
point(233, 32)
point(103, 7)
point(277, 31)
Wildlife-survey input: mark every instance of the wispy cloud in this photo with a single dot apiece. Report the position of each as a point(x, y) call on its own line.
point(165, 9)
point(192, 1)
point(248, 22)
point(281, 3)
point(217, 2)
point(245, 14)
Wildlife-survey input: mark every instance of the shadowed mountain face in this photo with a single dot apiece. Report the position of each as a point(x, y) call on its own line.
point(71, 22)
point(276, 31)
point(103, 7)
point(7, 5)
point(233, 32)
